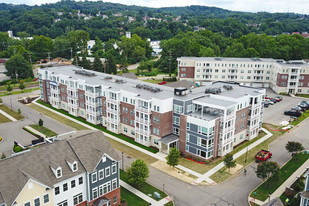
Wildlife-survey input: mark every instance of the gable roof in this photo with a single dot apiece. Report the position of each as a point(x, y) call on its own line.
point(36, 164)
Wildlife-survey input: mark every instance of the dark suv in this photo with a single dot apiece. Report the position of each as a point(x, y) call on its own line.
point(293, 113)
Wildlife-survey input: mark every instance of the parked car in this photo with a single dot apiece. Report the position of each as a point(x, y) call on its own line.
point(162, 83)
point(293, 113)
point(297, 108)
point(269, 102)
point(267, 97)
point(266, 104)
point(263, 155)
point(279, 97)
point(273, 100)
point(303, 106)
point(304, 102)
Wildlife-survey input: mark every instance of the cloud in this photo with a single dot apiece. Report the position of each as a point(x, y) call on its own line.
point(297, 6)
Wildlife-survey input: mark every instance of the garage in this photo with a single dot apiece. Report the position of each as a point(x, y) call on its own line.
point(248, 84)
point(257, 84)
point(266, 85)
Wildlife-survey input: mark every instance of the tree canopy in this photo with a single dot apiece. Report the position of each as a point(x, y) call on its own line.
point(18, 65)
point(229, 162)
point(173, 157)
point(138, 172)
point(294, 148)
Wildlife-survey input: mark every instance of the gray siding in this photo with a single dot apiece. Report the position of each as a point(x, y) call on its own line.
point(100, 166)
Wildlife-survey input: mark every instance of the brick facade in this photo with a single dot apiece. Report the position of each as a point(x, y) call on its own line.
point(126, 113)
point(305, 81)
point(164, 123)
point(81, 98)
point(109, 196)
point(45, 90)
point(186, 72)
point(63, 92)
point(280, 80)
point(241, 119)
point(182, 133)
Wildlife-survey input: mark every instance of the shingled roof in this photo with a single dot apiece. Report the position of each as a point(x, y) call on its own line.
point(86, 150)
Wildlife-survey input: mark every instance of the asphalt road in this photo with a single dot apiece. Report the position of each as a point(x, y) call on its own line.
point(13, 131)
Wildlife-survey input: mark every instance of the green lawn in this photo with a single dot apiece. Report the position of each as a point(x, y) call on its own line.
point(4, 119)
point(169, 204)
point(301, 118)
point(303, 95)
point(58, 118)
point(145, 188)
point(17, 92)
point(285, 172)
point(11, 112)
point(150, 149)
point(43, 130)
point(131, 199)
point(16, 86)
point(203, 168)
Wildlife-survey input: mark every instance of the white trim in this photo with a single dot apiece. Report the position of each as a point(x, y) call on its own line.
point(96, 177)
point(108, 168)
point(102, 170)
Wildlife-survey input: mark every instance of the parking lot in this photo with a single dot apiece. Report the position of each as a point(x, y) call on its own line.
point(274, 113)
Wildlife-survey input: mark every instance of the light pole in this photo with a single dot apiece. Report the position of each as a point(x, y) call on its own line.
point(11, 103)
point(246, 155)
point(122, 161)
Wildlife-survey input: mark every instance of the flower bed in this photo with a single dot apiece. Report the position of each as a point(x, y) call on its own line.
point(195, 160)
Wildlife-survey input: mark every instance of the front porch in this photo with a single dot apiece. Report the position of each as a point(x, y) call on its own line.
point(167, 142)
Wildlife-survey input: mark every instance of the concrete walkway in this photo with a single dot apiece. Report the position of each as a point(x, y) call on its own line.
point(287, 183)
point(235, 156)
point(8, 116)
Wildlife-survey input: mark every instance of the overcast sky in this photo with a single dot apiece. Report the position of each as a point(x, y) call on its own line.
point(296, 6)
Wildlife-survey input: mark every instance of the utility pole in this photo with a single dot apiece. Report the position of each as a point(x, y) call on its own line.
point(49, 57)
point(169, 69)
point(71, 53)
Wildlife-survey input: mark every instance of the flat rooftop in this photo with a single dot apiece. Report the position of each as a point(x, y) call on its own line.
point(117, 83)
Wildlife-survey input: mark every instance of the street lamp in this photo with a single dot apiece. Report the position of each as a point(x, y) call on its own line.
point(163, 187)
point(246, 155)
point(122, 161)
point(11, 103)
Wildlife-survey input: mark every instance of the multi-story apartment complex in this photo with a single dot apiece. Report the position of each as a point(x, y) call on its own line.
point(205, 121)
point(279, 75)
point(83, 170)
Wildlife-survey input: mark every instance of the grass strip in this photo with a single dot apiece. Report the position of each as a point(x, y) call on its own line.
point(11, 112)
point(4, 119)
point(272, 184)
point(43, 130)
point(131, 199)
point(58, 117)
point(18, 92)
point(144, 188)
point(150, 149)
point(303, 116)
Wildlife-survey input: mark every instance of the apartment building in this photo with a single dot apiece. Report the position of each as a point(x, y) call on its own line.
point(59, 174)
point(279, 75)
point(204, 121)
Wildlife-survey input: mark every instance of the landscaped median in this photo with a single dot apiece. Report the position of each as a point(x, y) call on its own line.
point(272, 184)
point(127, 139)
point(11, 112)
point(40, 130)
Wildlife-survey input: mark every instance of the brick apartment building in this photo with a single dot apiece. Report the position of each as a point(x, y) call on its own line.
point(204, 121)
point(277, 74)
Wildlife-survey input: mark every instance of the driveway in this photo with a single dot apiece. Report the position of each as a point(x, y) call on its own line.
point(274, 113)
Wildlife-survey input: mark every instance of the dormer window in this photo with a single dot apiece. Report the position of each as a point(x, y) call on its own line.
point(74, 166)
point(59, 172)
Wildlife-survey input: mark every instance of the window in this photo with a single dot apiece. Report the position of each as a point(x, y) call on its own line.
point(107, 172)
point(65, 187)
point(64, 203)
point(115, 200)
point(94, 177)
point(190, 108)
point(80, 180)
point(158, 131)
point(114, 169)
point(94, 193)
point(27, 204)
point(176, 130)
point(132, 132)
point(177, 109)
point(46, 198)
point(156, 142)
point(37, 202)
point(158, 120)
point(78, 199)
point(154, 120)
point(176, 120)
point(59, 173)
point(125, 129)
point(57, 190)
point(158, 109)
point(101, 174)
point(72, 183)
point(114, 184)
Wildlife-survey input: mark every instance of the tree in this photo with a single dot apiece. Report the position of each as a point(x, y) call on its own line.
point(41, 46)
point(85, 63)
point(21, 85)
point(294, 147)
point(40, 122)
point(97, 64)
point(267, 169)
point(98, 46)
point(18, 65)
point(229, 162)
point(111, 65)
point(173, 157)
point(19, 111)
point(3, 156)
point(9, 88)
point(138, 172)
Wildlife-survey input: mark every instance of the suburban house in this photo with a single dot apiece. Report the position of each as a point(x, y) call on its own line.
point(279, 75)
point(206, 121)
point(60, 174)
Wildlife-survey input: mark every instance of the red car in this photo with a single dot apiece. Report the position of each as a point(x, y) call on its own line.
point(161, 83)
point(263, 155)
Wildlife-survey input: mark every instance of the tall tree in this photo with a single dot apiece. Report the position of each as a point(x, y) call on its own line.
point(294, 148)
point(229, 162)
point(85, 63)
point(98, 46)
point(266, 169)
point(111, 67)
point(138, 172)
point(41, 46)
point(97, 64)
point(18, 65)
point(173, 157)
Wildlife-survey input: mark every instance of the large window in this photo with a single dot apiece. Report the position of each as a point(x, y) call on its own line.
point(94, 177)
point(94, 193)
point(63, 203)
point(26, 204)
point(176, 120)
point(114, 184)
point(46, 198)
point(57, 190)
point(78, 199)
point(80, 180)
point(37, 202)
point(65, 187)
point(72, 183)
point(114, 169)
point(177, 109)
point(101, 174)
point(107, 171)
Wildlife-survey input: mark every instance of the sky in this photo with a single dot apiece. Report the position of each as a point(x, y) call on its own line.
point(296, 6)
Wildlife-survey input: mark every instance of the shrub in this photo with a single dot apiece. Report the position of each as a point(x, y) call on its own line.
point(19, 111)
point(17, 148)
point(299, 186)
point(3, 155)
point(0, 100)
point(40, 123)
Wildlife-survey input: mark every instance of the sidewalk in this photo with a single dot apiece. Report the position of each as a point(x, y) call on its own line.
point(8, 116)
point(287, 183)
point(235, 156)
point(35, 131)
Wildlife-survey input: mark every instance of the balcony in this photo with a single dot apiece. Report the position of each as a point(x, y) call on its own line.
point(114, 111)
point(259, 74)
point(143, 109)
point(113, 120)
point(142, 131)
point(144, 121)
